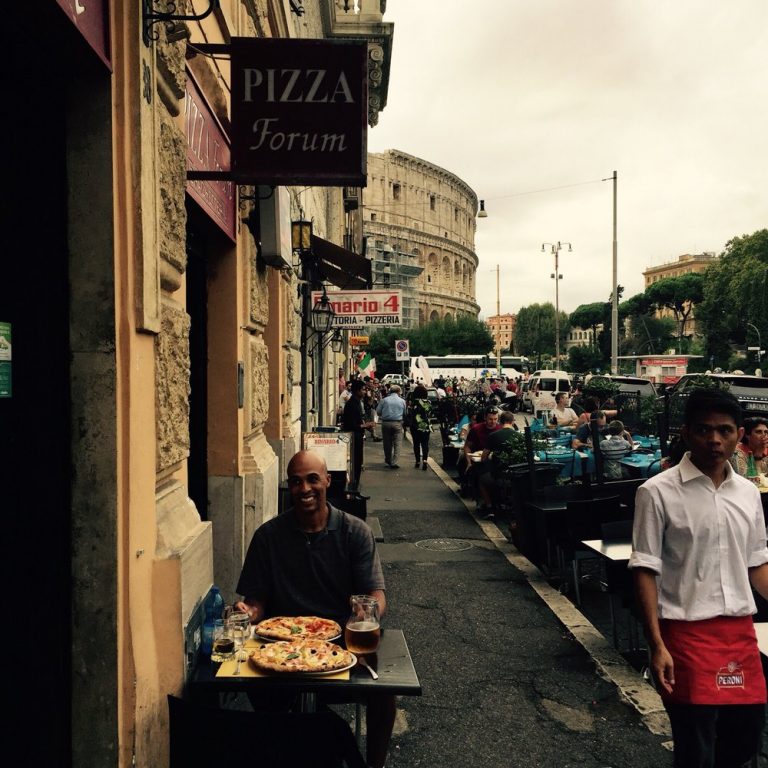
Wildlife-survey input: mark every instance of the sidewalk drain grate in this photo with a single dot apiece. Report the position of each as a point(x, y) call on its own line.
point(444, 545)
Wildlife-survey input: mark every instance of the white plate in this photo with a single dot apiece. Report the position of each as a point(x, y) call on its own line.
point(319, 672)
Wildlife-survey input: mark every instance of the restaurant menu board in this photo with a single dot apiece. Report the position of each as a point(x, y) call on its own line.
point(333, 447)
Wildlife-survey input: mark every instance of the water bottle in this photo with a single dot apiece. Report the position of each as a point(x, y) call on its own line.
point(214, 608)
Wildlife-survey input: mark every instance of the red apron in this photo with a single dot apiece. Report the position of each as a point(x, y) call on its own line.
point(717, 661)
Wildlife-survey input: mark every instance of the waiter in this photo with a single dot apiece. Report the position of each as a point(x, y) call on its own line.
point(699, 540)
point(353, 420)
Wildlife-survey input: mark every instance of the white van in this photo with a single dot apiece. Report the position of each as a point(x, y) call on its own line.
point(542, 388)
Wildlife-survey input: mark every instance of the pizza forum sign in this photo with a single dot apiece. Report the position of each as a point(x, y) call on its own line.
point(299, 111)
point(359, 309)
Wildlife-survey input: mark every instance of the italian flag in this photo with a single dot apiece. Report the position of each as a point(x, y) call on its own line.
point(367, 365)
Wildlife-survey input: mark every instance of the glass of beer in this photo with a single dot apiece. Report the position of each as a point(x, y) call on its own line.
point(223, 642)
point(363, 630)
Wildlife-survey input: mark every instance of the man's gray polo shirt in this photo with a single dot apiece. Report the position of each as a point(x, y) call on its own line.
point(311, 574)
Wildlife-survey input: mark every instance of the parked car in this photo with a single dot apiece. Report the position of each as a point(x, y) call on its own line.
point(542, 387)
point(750, 391)
point(630, 384)
point(394, 378)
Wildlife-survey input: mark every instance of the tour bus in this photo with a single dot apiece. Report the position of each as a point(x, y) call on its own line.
point(474, 366)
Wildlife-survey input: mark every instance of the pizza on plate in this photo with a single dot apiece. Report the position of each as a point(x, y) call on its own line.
point(305, 655)
point(293, 627)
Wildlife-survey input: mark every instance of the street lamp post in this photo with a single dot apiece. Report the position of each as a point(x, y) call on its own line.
point(498, 326)
point(556, 248)
point(759, 350)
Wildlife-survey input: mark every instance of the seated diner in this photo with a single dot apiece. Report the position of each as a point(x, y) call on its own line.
point(616, 445)
point(562, 415)
point(583, 436)
point(754, 443)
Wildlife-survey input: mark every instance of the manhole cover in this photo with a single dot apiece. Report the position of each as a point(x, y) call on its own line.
point(444, 545)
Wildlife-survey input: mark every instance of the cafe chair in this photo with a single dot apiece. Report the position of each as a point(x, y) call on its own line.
point(620, 588)
point(624, 489)
point(616, 529)
point(653, 468)
point(201, 737)
point(583, 520)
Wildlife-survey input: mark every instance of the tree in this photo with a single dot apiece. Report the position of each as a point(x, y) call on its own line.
point(680, 294)
point(535, 329)
point(588, 316)
point(583, 359)
point(381, 345)
point(645, 333)
point(735, 294)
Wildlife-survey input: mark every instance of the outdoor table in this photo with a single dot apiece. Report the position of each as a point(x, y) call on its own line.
point(544, 514)
point(397, 677)
point(647, 442)
point(565, 456)
point(562, 439)
point(615, 556)
point(537, 425)
point(638, 464)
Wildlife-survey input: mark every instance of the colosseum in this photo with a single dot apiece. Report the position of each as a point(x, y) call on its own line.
point(419, 224)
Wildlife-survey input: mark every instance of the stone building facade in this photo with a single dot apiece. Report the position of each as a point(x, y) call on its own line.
point(419, 224)
point(581, 337)
point(502, 328)
point(157, 356)
point(686, 264)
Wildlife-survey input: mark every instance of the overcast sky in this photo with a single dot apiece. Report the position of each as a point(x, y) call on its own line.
point(520, 96)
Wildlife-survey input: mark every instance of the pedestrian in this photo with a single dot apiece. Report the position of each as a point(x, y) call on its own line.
point(698, 549)
point(419, 419)
point(391, 411)
point(353, 420)
point(343, 400)
point(369, 409)
point(309, 561)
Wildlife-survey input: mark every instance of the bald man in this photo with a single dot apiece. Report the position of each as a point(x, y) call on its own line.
point(308, 562)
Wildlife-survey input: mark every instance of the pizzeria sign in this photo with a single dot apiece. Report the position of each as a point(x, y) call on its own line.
point(299, 111)
point(360, 309)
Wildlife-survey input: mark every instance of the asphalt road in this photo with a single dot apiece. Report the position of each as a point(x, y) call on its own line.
point(507, 680)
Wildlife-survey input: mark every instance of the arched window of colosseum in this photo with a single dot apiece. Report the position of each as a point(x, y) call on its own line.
point(446, 270)
point(433, 270)
point(432, 202)
point(396, 191)
point(465, 278)
point(448, 317)
point(456, 275)
point(433, 315)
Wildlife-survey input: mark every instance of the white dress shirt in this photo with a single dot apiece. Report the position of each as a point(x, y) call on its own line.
point(700, 541)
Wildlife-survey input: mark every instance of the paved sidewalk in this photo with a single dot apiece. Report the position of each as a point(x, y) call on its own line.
point(513, 675)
